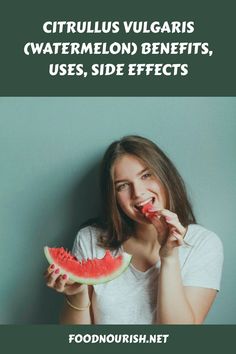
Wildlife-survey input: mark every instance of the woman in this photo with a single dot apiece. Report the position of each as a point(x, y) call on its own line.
point(176, 264)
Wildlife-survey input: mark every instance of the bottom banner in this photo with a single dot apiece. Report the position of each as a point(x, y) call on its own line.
point(71, 339)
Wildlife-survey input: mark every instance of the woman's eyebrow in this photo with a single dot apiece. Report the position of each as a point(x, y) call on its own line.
point(138, 174)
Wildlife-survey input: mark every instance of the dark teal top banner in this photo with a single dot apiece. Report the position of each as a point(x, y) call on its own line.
point(125, 48)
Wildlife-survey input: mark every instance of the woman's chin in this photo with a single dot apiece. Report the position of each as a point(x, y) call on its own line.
point(143, 221)
point(140, 219)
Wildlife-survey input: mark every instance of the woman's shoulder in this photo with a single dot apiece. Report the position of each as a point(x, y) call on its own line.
point(88, 232)
point(86, 242)
point(202, 263)
point(198, 235)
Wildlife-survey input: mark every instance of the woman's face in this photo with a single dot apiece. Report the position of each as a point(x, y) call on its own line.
point(136, 186)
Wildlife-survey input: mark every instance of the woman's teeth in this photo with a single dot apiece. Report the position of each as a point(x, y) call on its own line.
point(139, 206)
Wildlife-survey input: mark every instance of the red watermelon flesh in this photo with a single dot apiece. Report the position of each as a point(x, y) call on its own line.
point(145, 209)
point(90, 271)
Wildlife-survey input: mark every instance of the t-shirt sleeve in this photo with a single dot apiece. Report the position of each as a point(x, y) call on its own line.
point(83, 244)
point(205, 263)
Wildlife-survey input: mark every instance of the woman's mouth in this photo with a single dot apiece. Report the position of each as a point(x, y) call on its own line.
point(139, 206)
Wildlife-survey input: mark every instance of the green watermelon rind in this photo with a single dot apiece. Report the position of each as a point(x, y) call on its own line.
point(126, 259)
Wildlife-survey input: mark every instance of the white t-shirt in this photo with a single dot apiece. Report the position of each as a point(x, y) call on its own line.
point(131, 298)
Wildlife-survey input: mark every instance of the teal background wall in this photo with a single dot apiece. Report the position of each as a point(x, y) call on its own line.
point(49, 153)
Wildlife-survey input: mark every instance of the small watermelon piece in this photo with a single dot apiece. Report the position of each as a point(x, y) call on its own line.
point(90, 271)
point(145, 209)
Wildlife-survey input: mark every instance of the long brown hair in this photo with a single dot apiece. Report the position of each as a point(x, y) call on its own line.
point(116, 225)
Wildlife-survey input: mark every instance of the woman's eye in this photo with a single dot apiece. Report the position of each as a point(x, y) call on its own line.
point(146, 175)
point(123, 186)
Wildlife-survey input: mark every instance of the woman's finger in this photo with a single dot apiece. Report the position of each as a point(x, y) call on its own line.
point(173, 220)
point(177, 237)
point(60, 283)
point(49, 270)
point(52, 277)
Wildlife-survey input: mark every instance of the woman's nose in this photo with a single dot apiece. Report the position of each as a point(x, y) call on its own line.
point(138, 190)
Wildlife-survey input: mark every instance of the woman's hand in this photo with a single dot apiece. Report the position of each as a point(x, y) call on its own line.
point(60, 282)
point(170, 231)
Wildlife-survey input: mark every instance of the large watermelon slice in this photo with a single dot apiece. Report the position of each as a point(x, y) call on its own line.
point(90, 271)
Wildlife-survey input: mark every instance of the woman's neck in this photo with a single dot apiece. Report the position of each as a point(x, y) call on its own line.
point(142, 245)
point(146, 234)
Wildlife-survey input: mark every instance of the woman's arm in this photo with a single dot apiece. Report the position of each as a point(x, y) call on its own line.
point(177, 304)
point(77, 309)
